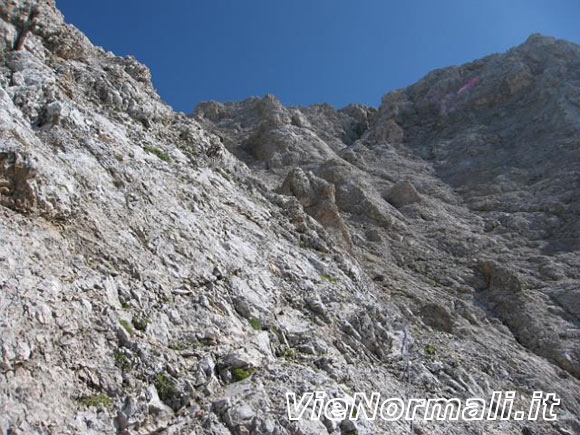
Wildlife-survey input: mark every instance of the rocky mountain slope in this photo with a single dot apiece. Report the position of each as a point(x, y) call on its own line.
point(164, 273)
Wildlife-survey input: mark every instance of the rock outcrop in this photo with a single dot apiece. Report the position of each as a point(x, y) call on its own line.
point(317, 198)
point(164, 273)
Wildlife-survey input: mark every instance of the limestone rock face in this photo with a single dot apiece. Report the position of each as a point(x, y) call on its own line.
point(317, 197)
point(16, 189)
point(179, 274)
point(438, 317)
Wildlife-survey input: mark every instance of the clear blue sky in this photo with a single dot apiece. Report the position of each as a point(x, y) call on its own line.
point(309, 51)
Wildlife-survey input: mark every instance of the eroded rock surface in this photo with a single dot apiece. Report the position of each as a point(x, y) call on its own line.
point(179, 274)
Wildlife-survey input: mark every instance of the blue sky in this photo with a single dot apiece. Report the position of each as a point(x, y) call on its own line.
point(309, 51)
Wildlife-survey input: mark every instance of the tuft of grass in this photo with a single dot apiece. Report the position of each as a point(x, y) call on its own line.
point(122, 361)
point(127, 326)
point(255, 323)
point(165, 388)
point(159, 153)
point(184, 343)
point(97, 400)
point(224, 174)
point(289, 353)
point(241, 374)
point(328, 278)
point(430, 349)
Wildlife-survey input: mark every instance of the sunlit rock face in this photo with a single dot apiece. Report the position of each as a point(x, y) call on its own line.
point(163, 272)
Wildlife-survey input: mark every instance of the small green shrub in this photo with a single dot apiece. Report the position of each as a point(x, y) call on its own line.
point(97, 400)
point(255, 323)
point(159, 153)
point(165, 388)
point(122, 361)
point(241, 374)
point(328, 278)
point(430, 349)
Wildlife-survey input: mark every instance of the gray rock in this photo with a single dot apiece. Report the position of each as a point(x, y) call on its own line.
point(403, 193)
point(438, 317)
point(112, 206)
